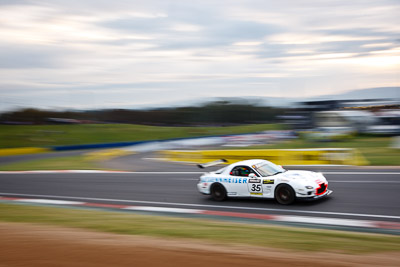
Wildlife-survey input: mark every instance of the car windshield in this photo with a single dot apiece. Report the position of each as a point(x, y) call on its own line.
point(268, 168)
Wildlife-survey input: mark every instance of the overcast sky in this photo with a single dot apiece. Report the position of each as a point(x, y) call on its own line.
point(125, 54)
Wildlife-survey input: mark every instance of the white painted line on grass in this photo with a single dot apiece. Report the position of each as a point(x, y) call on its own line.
point(207, 206)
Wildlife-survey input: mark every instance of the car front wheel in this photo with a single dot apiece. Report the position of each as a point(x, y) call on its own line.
point(285, 194)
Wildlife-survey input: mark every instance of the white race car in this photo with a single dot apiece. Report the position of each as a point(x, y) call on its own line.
point(262, 179)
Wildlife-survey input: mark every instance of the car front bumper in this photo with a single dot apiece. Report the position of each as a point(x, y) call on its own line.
point(306, 197)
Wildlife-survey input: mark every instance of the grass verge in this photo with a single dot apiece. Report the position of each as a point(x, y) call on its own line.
point(55, 135)
point(202, 229)
point(80, 162)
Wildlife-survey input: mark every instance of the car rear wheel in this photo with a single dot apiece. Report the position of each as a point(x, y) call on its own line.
point(218, 192)
point(285, 194)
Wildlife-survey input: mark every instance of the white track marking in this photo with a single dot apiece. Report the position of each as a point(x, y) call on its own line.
point(325, 221)
point(277, 218)
point(163, 209)
point(166, 172)
point(50, 201)
point(330, 181)
point(208, 206)
point(91, 172)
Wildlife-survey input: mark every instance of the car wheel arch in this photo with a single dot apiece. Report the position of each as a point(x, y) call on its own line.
point(290, 189)
point(220, 186)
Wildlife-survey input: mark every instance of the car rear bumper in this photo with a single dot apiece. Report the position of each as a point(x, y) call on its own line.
point(203, 189)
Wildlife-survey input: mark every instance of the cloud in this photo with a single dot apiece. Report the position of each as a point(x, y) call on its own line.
point(26, 57)
point(158, 50)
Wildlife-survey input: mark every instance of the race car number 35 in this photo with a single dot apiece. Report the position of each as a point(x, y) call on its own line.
point(256, 188)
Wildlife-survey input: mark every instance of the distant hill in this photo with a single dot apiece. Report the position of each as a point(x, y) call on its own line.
point(387, 93)
point(370, 93)
point(392, 93)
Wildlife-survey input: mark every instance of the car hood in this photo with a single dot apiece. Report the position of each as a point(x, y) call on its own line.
point(302, 176)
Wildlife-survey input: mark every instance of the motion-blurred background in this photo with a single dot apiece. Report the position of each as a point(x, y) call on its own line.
point(297, 74)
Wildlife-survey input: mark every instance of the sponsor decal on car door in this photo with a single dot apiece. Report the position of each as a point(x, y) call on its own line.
point(268, 186)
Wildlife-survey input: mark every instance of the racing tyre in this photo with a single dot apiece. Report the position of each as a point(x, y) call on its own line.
point(285, 194)
point(218, 192)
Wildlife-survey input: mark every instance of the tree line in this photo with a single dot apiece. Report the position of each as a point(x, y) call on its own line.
point(214, 113)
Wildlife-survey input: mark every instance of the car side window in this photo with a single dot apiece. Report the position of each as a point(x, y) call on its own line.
point(242, 171)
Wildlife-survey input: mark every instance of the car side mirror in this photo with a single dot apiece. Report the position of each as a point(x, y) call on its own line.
point(252, 175)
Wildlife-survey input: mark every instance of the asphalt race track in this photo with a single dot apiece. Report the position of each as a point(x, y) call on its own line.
point(363, 194)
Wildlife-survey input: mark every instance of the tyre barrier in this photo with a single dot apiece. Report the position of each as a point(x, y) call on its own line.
point(324, 156)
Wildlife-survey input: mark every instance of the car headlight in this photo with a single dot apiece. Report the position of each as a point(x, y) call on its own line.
point(309, 187)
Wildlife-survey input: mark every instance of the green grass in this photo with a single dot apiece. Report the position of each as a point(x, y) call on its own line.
point(202, 229)
point(376, 150)
point(79, 162)
point(51, 135)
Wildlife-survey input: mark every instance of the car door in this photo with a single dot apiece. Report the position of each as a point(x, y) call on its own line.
point(255, 186)
point(239, 179)
point(268, 185)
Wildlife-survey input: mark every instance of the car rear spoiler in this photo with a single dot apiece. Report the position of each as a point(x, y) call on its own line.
point(211, 163)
